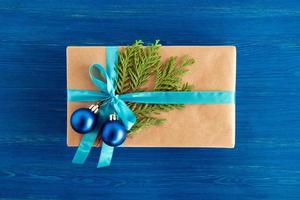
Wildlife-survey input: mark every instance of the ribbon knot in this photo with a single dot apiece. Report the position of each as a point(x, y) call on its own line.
point(114, 98)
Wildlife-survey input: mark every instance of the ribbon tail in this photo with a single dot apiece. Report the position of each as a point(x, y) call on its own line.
point(105, 155)
point(125, 114)
point(106, 151)
point(85, 147)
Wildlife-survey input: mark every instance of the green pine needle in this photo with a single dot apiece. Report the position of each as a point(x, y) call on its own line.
point(140, 65)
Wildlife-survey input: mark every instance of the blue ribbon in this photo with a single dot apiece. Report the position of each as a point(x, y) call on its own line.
point(106, 82)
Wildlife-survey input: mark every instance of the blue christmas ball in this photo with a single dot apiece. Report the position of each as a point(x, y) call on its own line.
point(113, 133)
point(83, 120)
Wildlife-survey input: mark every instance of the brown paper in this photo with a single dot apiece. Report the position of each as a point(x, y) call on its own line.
point(193, 126)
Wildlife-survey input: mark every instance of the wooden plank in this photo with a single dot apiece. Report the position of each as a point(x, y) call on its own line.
point(35, 163)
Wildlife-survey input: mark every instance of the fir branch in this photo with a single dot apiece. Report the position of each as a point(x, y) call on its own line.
point(126, 57)
point(169, 76)
point(137, 64)
point(144, 122)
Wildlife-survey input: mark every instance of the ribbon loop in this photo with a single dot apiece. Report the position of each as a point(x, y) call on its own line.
point(107, 86)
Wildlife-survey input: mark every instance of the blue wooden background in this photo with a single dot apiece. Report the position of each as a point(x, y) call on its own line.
point(35, 162)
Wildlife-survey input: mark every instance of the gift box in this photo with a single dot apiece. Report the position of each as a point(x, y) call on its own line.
point(201, 125)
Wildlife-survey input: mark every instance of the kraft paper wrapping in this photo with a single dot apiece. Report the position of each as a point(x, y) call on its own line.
point(192, 126)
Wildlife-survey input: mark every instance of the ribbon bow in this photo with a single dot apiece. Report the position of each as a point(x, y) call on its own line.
point(114, 103)
point(106, 82)
point(111, 101)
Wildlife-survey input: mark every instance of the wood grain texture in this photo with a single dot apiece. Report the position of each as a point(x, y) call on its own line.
point(35, 162)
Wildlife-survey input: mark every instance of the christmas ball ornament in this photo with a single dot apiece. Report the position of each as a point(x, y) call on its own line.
point(113, 132)
point(84, 120)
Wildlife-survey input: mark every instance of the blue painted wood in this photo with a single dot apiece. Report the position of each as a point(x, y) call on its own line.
point(35, 162)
